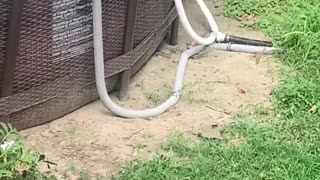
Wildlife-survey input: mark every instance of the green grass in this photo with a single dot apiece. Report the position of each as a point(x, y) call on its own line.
point(264, 155)
point(294, 27)
point(256, 147)
point(281, 143)
point(277, 143)
point(238, 8)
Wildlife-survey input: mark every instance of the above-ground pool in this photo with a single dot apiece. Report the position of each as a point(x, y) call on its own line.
point(46, 52)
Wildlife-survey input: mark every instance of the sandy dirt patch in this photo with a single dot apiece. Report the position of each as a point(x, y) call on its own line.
point(216, 85)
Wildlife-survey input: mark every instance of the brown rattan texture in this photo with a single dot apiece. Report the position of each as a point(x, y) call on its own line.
point(55, 68)
point(4, 13)
point(35, 65)
point(147, 20)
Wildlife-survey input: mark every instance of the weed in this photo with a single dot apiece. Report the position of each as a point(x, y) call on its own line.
point(15, 161)
point(73, 172)
point(71, 131)
point(160, 95)
point(139, 146)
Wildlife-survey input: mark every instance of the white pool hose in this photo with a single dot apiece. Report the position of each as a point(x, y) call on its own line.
point(243, 48)
point(172, 101)
point(216, 35)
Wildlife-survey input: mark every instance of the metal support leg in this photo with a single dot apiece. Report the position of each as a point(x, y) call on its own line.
point(128, 46)
point(125, 81)
point(174, 32)
point(11, 48)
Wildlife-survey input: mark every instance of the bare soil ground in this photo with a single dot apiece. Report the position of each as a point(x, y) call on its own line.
point(218, 84)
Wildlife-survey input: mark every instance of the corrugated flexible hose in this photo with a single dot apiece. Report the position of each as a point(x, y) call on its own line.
point(215, 36)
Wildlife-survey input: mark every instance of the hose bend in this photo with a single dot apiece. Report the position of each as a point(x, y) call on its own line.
point(100, 78)
point(172, 101)
point(215, 35)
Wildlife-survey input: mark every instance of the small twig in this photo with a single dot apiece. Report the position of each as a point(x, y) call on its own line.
point(218, 82)
point(222, 111)
point(133, 134)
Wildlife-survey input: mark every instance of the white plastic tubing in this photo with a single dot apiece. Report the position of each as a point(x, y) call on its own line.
point(215, 36)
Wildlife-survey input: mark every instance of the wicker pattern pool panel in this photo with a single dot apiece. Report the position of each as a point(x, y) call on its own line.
point(4, 14)
point(35, 64)
point(54, 69)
